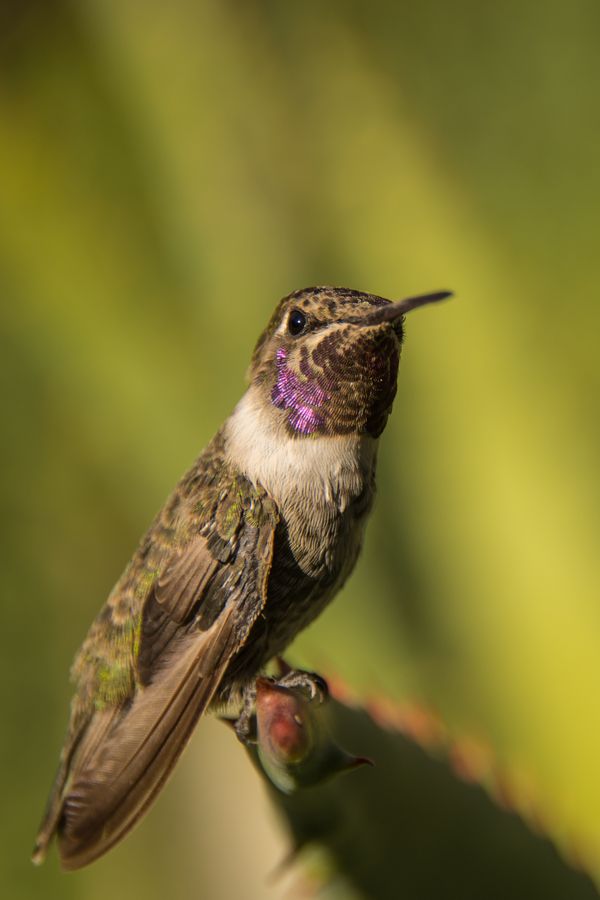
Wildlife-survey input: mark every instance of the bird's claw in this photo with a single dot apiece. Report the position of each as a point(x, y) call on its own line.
point(310, 683)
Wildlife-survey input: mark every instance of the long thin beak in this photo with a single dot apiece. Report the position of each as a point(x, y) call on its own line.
point(395, 310)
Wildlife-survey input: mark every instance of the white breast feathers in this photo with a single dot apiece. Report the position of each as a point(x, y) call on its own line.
point(329, 469)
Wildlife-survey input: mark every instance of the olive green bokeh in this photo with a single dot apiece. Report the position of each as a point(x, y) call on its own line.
point(167, 172)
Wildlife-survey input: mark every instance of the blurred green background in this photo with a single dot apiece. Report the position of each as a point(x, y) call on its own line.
point(167, 172)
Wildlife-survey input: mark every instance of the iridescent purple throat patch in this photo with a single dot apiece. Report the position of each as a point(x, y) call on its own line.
point(303, 398)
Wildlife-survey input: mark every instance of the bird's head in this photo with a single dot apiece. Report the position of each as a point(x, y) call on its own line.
point(328, 359)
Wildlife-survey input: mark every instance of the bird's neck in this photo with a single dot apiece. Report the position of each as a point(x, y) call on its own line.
point(333, 469)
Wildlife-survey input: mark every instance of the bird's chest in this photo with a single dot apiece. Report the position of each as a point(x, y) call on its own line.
point(323, 487)
point(322, 537)
point(316, 547)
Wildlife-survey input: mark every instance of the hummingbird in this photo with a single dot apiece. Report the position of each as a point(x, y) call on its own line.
point(253, 543)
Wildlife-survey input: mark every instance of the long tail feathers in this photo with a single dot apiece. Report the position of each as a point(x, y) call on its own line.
point(125, 756)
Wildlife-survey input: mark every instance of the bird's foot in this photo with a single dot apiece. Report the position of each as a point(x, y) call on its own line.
point(245, 724)
point(313, 685)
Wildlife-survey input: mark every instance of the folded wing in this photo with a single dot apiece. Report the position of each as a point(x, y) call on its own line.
point(195, 618)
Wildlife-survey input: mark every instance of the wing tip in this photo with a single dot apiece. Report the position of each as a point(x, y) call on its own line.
point(76, 855)
point(40, 849)
point(46, 832)
point(74, 850)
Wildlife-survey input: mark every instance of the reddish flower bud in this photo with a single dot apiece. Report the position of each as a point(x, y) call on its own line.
point(294, 745)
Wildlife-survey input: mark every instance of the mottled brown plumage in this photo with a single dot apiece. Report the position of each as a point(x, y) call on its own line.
point(252, 544)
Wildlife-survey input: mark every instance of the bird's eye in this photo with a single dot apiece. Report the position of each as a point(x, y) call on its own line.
point(296, 322)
